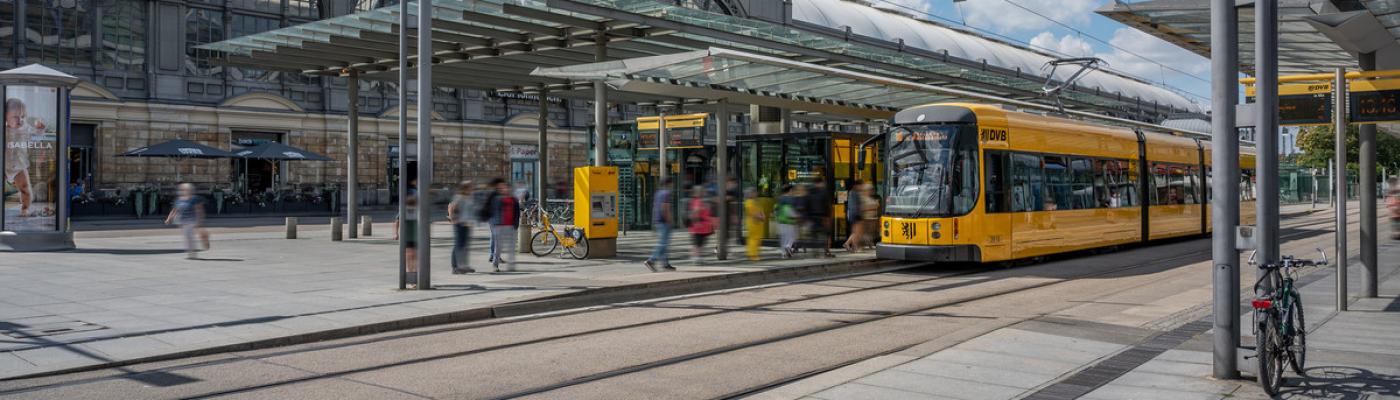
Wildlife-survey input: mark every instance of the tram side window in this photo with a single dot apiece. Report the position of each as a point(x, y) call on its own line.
point(1193, 184)
point(1116, 184)
point(965, 179)
point(1083, 187)
point(1026, 179)
point(1057, 184)
point(1247, 185)
point(996, 164)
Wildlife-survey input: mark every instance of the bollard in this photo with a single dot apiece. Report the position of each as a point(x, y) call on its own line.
point(523, 244)
point(291, 227)
point(366, 223)
point(336, 231)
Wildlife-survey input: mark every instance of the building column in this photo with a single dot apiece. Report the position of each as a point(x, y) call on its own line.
point(1367, 194)
point(403, 138)
point(542, 176)
point(1225, 207)
point(352, 158)
point(1339, 130)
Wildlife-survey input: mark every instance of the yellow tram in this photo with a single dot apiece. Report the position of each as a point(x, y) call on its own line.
point(979, 183)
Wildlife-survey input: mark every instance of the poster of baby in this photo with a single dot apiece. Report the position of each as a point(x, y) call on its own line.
point(30, 157)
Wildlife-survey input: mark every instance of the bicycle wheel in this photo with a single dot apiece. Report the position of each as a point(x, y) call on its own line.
point(1298, 349)
point(543, 243)
point(1267, 353)
point(580, 248)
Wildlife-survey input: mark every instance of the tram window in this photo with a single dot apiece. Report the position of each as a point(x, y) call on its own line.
point(965, 178)
point(1209, 178)
point(1130, 191)
point(1026, 179)
point(996, 166)
point(1247, 185)
point(1111, 184)
point(1083, 188)
point(1193, 184)
point(1057, 184)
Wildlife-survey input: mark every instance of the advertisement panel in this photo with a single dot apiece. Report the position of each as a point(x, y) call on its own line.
point(31, 186)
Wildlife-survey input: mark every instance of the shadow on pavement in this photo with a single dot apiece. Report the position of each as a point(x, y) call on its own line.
point(124, 251)
point(1338, 382)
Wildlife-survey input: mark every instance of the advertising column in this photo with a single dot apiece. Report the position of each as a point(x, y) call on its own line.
point(32, 185)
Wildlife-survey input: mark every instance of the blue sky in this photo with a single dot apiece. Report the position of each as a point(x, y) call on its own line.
point(1125, 49)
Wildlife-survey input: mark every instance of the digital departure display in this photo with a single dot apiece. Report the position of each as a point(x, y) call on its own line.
point(1304, 109)
point(1377, 106)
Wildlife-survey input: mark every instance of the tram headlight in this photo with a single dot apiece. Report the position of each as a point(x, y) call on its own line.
point(937, 226)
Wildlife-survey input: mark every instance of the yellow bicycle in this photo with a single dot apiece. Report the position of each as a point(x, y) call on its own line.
point(549, 238)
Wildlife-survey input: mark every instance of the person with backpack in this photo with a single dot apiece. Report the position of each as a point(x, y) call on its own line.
point(504, 209)
point(481, 199)
point(702, 221)
point(787, 216)
point(662, 219)
point(459, 214)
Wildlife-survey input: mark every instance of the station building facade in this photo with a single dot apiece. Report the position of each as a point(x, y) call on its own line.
point(144, 83)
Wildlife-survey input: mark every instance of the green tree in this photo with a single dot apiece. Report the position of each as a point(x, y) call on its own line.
point(1318, 146)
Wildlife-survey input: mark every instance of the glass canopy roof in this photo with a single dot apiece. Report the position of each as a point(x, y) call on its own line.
point(493, 44)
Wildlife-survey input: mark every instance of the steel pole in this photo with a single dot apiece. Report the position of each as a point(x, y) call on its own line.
point(403, 139)
point(600, 105)
point(1339, 197)
point(1225, 209)
point(352, 159)
point(722, 176)
point(661, 158)
point(1367, 194)
point(542, 176)
point(425, 143)
point(1266, 101)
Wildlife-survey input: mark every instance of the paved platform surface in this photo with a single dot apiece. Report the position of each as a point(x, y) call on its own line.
point(1352, 355)
point(128, 292)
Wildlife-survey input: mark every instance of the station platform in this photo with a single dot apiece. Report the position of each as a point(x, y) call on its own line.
point(1150, 343)
point(128, 293)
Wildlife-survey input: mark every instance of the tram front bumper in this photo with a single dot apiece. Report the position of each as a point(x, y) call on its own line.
point(950, 253)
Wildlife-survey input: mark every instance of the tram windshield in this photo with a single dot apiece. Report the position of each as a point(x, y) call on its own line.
point(933, 170)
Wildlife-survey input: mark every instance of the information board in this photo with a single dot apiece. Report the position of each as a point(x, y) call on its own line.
point(1378, 106)
point(685, 131)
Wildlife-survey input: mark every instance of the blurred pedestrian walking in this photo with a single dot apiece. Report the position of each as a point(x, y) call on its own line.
point(505, 218)
point(1392, 202)
point(702, 220)
point(188, 212)
point(481, 200)
point(787, 217)
point(819, 216)
point(853, 220)
point(459, 213)
point(406, 227)
point(755, 223)
point(662, 220)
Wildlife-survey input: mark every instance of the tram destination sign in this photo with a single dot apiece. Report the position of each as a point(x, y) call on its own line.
point(1368, 102)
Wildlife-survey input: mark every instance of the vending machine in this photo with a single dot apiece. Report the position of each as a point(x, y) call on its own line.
point(596, 208)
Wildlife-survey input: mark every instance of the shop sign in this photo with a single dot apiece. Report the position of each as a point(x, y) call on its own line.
point(524, 152)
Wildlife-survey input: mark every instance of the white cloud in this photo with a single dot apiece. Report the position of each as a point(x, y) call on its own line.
point(1003, 17)
point(1068, 45)
point(1155, 51)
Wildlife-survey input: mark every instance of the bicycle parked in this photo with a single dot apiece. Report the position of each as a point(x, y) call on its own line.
point(548, 238)
point(1279, 329)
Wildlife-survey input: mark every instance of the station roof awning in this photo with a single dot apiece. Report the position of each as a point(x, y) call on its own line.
point(494, 44)
point(745, 77)
point(1304, 44)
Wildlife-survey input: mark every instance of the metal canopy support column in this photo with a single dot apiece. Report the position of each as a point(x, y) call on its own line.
point(1367, 193)
point(662, 161)
point(1225, 207)
point(542, 176)
point(425, 143)
point(352, 158)
point(600, 106)
point(1266, 103)
point(1339, 186)
point(403, 140)
point(722, 176)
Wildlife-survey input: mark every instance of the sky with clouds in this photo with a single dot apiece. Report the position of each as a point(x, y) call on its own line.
point(1088, 34)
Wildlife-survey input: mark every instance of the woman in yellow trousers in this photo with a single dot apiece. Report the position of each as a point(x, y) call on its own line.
point(755, 223)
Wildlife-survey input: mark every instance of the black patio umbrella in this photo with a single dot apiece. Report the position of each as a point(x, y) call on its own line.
point(178, 149)
point(274, 151)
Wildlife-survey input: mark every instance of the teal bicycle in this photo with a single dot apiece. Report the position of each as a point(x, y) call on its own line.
point(1279, 329)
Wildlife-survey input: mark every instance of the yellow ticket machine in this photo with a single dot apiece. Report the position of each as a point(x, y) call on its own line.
point(595, 208)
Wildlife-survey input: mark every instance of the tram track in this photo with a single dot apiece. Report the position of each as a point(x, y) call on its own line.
point(847, 294)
